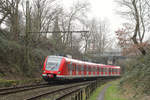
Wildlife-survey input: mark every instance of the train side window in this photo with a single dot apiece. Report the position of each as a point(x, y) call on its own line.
point(82, 67)
point(89, 69)
point(103, 70)
point(77, 67)
point(68, 67)
point(86, 68)
point(72, 66)
point(99, 69)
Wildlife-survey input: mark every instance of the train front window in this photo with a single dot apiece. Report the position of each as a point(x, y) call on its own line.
point(53, 63)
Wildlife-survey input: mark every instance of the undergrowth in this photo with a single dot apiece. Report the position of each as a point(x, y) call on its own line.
point(137, 76)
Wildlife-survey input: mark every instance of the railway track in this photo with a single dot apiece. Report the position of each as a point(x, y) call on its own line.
point(10, 90)
point(52, 91)
point(64, 89)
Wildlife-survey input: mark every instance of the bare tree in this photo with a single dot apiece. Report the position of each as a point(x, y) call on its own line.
point(69, 19)
point(137, 13)
point(10, 12)
point(96, 40)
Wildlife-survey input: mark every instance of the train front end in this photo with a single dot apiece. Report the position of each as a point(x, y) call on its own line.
point(51, 67)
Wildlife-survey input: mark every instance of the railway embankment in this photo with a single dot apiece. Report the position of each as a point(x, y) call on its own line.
point(52, 91)
point(135, 82)
point(14, 83)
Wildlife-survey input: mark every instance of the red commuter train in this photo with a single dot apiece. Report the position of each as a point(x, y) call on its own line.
point(58, 67)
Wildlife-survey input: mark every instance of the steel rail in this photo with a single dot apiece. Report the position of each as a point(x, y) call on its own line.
point(55, 91)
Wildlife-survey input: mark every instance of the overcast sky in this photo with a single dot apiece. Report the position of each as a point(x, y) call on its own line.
point(103, 9)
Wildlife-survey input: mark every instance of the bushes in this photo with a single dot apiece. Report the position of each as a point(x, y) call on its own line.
point(12, 55)
point(8, 83)
point(138, 75)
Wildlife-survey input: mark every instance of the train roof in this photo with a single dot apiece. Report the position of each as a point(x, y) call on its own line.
point(82, 62)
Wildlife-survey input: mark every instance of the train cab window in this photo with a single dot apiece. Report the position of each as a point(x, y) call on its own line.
point(53, 63)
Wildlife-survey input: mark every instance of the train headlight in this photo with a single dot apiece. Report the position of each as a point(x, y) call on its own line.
point(59, 72)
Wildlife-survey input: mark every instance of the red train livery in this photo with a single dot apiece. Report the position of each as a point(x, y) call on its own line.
point(58, 67)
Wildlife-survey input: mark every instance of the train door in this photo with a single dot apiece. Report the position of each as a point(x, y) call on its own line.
point(89, 70)
point(94, 70)
point(77, 69)
point(119, 71)
point(74, 69)
point(106, 71)
point(68, 68)
point(116, 71)
point(85, 70)
point(113, 71)
point(109, 71)
point(102, 71)
point(97, 70)
point(80, 70)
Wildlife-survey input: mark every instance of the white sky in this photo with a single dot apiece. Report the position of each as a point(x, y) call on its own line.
point(103, 9)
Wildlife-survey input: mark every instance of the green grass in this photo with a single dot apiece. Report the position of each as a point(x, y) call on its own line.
point(95, 94)
point(113, 92)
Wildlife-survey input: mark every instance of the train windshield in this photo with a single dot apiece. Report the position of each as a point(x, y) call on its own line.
point(53, 63)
